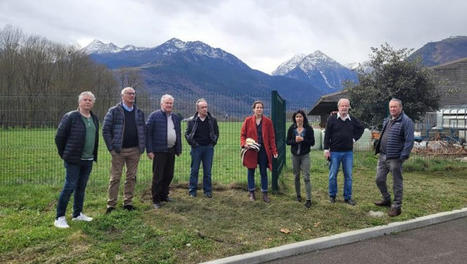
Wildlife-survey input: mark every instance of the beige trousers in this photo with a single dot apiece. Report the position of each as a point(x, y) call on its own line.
point(130, 157)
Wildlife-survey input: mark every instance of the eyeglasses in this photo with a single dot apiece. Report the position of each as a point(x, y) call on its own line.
point(130, 93)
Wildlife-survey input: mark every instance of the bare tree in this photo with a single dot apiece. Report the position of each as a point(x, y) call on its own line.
point(39, 80)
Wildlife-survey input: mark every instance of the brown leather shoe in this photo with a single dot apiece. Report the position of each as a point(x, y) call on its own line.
point(266, 198)
point(394, 212)
point(252, 196)
point(386, 203)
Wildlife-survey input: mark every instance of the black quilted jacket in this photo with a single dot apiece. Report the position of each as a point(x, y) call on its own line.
point(70, 137)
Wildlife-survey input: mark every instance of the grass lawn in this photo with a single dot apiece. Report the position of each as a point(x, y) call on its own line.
point(192, 230)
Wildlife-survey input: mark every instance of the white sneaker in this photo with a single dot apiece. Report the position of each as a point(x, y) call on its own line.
point(82, 217)
point(61, 222)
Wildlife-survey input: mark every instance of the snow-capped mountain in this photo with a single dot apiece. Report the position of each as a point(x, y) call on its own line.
point(194, 69)
point(289, 65)
point(99, 47)
point(196, 47)
point(130, 55)
point(318, 69)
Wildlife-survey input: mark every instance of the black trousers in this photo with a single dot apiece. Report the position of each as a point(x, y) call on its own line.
point(163, 172)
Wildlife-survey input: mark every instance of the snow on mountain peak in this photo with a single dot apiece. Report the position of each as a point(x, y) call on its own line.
point(306, 63)
point(179, 44)
point(168, 48)
point(99, 47)
point(318, 60)
point(289, 65)
point(132, 48)
point(196, 47)
point(360, 66)
point(317, 68)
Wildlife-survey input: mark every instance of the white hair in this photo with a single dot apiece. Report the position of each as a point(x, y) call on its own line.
point(167, 96)
point(199, 101)
point(86, 93)
point(340, 100)
point(125, 89)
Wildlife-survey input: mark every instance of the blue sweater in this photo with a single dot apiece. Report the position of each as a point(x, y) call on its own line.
point(156, 129)
point(399, 138)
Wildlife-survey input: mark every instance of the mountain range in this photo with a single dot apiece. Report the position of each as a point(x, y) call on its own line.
point(440, 52)
point(193, 69)
point(190, 70)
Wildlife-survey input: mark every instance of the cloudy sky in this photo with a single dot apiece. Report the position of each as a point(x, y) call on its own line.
point(262, 33)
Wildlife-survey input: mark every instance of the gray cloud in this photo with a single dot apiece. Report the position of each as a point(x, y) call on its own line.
point(261, 33)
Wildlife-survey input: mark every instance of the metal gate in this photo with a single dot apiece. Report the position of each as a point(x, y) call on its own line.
point(278, 120)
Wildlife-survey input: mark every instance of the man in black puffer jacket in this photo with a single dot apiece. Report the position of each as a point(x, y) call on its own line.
point(125, 137)
point(77, 140)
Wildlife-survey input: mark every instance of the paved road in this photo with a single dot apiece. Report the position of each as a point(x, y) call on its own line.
point(441, 243)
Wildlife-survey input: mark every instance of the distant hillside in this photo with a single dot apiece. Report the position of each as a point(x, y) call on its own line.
point(439, 52)
point(190, 70)
point(317, 69)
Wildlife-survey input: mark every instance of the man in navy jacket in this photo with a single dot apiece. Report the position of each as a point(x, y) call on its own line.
point(124, 134)
point(163, 142)
point(394, 146)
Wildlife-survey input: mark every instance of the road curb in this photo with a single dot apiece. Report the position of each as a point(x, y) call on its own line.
point(340, 239)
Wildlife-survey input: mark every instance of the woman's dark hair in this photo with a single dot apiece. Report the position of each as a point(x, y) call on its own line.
point(305, 120)
point(257, 102)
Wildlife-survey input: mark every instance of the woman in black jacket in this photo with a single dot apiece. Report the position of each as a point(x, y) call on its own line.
point(300, 137)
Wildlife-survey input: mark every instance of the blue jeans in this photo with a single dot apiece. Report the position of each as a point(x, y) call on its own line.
point(346, 158)
point(201, 154)
point(77, 176)
point(263, 165)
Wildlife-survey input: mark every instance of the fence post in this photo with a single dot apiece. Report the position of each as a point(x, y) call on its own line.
point(278, 120)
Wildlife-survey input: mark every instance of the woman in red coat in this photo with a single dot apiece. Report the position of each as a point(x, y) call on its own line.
point(258, 137)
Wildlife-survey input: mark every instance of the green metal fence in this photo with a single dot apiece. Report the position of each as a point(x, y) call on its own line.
point(28, 153)
point(278, 114)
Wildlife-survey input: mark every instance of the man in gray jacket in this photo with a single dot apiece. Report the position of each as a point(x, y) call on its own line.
point(124, 134)
point(394, 146)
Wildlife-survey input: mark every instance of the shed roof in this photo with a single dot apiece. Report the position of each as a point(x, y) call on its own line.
point(328, 103)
